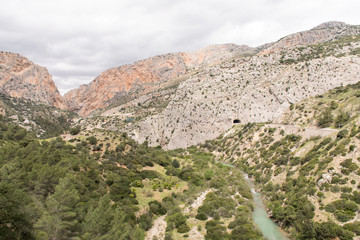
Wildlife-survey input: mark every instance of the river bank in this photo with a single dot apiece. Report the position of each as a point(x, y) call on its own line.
point(269, 229)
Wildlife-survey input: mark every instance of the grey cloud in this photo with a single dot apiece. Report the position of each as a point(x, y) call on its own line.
point(77, 40)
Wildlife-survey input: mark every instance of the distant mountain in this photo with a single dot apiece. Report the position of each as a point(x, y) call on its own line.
point(143, 75)
point(181, 99)
point(324, 32)
point(21, 78)
point(243, 90)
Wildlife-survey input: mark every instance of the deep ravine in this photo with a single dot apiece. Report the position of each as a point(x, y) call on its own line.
point(268, 228)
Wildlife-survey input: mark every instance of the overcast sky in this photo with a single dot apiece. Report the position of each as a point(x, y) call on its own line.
point(78, 39)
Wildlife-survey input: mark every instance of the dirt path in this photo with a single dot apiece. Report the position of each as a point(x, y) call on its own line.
point(306, 132)
point(197, 203)
point(157, 230)
point(194, 234)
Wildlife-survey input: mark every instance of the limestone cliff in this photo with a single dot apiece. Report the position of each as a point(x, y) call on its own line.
point(21, 78)
point(221, 85)
point(118, 82)
point(322, 33)
point(251, 89)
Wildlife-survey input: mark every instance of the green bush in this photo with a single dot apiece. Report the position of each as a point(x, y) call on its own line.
point(342, 134)
point(175, 163)
point(341, 119)
point(157, 208)
point(354, 227)
point(215, 231)
point(92, 140)
point(330, 230)
point(344, 216)
point(75, 130)
point(325, 119)
point(183, 228)
point(201, 216)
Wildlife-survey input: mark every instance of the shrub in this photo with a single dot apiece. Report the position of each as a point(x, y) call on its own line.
point(75, 130)
point(92, 140)
point(330, 230)
point(354, 227)
point(157, 208)
point(175, 163)
point(343, 216)
point(341, 119)
point(168, 236)
point(183, 228)
point(325, 119)
point(342, 134)
point(201, 216)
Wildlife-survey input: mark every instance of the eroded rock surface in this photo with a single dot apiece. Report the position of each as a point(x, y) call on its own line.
point(118, 82)
point(21, 78)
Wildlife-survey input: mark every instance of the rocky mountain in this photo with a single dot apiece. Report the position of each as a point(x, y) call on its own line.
point(324, 32)
point(310, 154)
point(44, 120)
point(182, 99)
point(21, 78)
point(141, 76)
point(249, 89)
point(285, 113)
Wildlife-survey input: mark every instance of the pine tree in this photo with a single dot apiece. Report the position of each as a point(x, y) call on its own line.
point(14, 222)
point(98, 220)
point(120, 229)
point(59, 220)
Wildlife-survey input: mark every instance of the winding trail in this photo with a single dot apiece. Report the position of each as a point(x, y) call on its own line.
point(157, 230)
point(197, 203)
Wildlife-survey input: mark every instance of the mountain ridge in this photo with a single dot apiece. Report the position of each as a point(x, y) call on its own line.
point(248, 85)
point(21, 78)
point(119, 81)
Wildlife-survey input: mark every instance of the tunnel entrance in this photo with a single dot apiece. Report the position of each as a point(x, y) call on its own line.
point(236, 121)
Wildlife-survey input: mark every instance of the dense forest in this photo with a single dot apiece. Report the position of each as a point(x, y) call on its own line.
point(84, 188)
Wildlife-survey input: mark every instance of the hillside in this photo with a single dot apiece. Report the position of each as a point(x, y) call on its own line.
point(200, 103)
point(21, 78)
point(251, 89)
point(305, 164)
point(301, 159)
point(172, 146)
point(103, 185)
point(144, 76)
point(44, 120)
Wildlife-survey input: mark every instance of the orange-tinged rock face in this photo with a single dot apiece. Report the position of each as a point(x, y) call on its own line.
point(123, 80)
point(141, 75)
point(21, 78)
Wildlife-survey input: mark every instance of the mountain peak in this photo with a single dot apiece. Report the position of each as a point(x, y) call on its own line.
point(331, 24)
point(324, 32)
point(21, 78)
point(142, 75)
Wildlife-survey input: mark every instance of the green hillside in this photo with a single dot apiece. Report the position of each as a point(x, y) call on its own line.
point(46, 121)
point(103, 185)
point(306, 164)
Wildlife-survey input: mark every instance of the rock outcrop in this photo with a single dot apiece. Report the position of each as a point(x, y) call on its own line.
point(254, 89)
point(21, 78)
point(222, 85)
point(322, 33)
point(118, 82)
